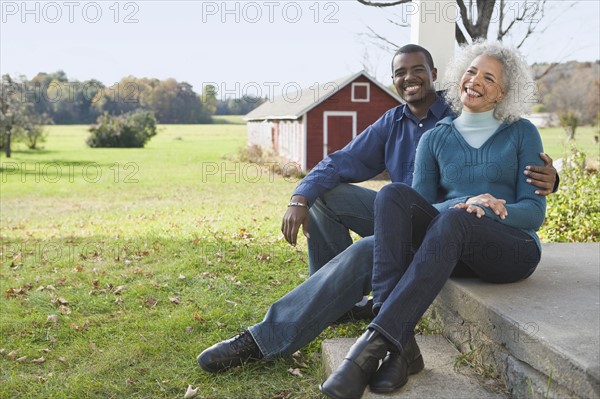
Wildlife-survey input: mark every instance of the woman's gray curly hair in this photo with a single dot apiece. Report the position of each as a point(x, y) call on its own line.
point(517, 78)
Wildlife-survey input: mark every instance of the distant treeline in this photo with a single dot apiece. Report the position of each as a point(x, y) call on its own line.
point(570, 87)
point(65, 101)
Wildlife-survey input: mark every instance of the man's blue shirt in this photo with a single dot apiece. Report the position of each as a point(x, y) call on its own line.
point(389, 143)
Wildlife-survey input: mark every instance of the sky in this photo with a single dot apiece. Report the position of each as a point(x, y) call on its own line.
point(243, 47)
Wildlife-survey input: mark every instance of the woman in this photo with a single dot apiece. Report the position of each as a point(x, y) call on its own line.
point(482, 221)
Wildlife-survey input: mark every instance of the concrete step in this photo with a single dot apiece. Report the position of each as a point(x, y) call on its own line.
point(439, 379)
point(542, 335)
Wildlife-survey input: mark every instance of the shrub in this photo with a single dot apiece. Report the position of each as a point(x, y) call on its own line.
point(573, 212)
point(130, 130)
point(266, 159)
point(569, 121)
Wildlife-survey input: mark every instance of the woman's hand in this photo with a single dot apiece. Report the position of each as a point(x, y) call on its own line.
point(478, 211)
point(486, 200)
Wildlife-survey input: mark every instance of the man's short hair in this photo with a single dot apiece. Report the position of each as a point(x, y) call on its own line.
point(414, 48)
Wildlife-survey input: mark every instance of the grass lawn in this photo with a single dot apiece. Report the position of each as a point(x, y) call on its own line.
point(556, 145)
point(118, 266)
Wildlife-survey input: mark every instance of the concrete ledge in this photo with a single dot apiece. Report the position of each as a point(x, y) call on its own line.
point(439, 379)
point(542, 334)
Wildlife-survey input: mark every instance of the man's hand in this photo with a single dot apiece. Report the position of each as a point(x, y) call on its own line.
point(293, 218)
point(486, 200)
point(543, 177)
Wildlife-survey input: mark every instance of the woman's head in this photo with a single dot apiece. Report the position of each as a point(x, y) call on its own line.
point(489, 75)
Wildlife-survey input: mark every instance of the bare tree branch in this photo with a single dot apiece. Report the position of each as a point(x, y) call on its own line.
point(378, 4)
point(398, 23)
point(546, 71)
point(375, 35)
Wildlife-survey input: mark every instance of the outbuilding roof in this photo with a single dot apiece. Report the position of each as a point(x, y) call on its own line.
point(294, 105)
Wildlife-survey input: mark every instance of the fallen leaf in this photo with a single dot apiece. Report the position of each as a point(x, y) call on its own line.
point(231, 302)
point(118, 290)
point(12, 354)
point(46, 350)
point(190, 392)
point(181, 277)
point(11, 292)
point(151, 302)
point(21, 359)
point(189, 329)
point(130, 381)
point(119, 301)
point(39, 360)
point(175, 300)
point(64, 309)
point(300, 363)
point(198, 317)
point(52, 319)
point(78, 268)
point(62, 360)
point(42, 379)
point(83, 327)
point(295, 372)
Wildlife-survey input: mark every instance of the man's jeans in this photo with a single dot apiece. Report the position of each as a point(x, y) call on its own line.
point(416, 249)
point(302, 314)
point(341, 209)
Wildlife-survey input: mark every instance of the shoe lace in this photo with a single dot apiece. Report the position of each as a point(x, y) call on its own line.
point(242, 340)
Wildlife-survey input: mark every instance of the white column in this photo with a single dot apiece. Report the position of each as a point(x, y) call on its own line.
point(432, 26)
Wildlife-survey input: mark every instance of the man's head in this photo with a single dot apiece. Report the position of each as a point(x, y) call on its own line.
point(413, 73)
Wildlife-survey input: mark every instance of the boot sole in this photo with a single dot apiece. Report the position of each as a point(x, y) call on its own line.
point(332, 396)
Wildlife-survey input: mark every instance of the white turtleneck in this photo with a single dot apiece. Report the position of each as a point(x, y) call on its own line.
point(476, 128)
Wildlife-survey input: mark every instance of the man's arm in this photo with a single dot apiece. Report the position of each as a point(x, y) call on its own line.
point(360, 160)
point(545, 178)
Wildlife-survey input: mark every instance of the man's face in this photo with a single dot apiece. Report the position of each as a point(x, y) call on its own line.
point(413, 78)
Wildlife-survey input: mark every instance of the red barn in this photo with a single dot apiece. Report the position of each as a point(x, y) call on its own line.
point(304, 127)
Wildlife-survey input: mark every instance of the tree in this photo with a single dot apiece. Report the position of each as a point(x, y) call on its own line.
point(514, 18)
point(572, 91)
point(19, 120)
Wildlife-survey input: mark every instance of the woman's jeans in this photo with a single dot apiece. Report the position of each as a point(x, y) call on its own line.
point(417, 248)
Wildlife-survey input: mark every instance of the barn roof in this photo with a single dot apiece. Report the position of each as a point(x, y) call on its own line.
point(294, 105)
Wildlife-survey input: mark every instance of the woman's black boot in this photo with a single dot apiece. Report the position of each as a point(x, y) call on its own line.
point(352, 376)
point(396, 368)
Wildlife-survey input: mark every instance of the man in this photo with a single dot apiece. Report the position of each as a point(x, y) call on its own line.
point(327, 208)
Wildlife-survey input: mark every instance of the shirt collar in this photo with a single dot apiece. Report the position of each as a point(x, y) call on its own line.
point(438, 108)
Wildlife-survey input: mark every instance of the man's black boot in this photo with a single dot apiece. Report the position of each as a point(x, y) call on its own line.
point(230, 353)
point(358, 312)
point(396, 368)
point(352, 376)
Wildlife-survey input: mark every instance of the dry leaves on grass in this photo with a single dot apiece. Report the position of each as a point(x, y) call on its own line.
point(14, 292)
point(191, 392)
point(295, 372)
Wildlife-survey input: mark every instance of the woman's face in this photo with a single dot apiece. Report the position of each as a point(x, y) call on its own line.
point(482, 85)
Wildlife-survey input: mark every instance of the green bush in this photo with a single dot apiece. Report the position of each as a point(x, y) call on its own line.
point(573, 212)
point(130, 130)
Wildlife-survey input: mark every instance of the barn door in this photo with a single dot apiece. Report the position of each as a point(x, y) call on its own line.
point(339, 127)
